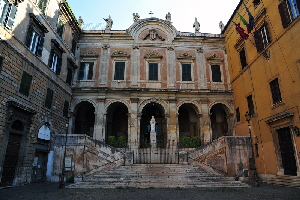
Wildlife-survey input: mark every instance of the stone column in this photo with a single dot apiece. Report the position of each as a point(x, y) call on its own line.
point(135, 68)
point(99, 127)
point(205, 123)
point(171, 60)
point(173, 134)
point(133, 136)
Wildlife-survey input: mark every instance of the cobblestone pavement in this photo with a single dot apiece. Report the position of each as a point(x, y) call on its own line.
point(41, 191)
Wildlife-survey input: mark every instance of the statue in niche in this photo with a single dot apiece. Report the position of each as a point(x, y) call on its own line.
point(221, 25)
point(168, 17)
point(152, 123)
point(135, 17)
point(196, 25)
point(109, 23)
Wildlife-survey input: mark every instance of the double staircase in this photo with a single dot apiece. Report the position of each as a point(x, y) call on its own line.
point(156, 176)
point(286, 181)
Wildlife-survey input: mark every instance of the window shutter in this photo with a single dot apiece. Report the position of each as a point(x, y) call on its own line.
point(25, 83)
point(258, 41)
point(69, 76)
point(49, 97)
point(81, 71)
point(267, 32)
point(155, 74)
point(74, 45)
point(119, 70)
point(189, 73)
point(186, 72)
point(66, 109)
point(1, 62)
point(243, 58)
point(298, 4)
point(40, 46)
point(91, 69)
point(29, 35)
point(3, 5)
point(216, 73)
point(51, 58)
point(58, 67)
point(11, 16)
point(284, 14)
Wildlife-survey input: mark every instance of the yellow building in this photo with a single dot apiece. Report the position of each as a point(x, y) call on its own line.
point(265, 79)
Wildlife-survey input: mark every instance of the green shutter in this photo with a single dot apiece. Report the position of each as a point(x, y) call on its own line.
point(11, 16)
point(51, 58)
point(91, 71)
point(49, 97)
point(66, 109)
point(1, 62)
point(40, 46)
point(29, 35)
point(119, 70)
point(81, 71)
point(153, 71)
point(25, 84)
point(186, 72)
point(69, 76)
point(58, 66)
point(216, 73)
point(3, 12)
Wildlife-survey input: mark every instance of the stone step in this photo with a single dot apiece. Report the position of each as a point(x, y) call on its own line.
point(160, 175)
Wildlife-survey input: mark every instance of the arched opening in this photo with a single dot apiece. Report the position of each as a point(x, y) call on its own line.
point(218, 119)
point(117, 124)
point(188, 121)
point(156, 110)
point(85, 119)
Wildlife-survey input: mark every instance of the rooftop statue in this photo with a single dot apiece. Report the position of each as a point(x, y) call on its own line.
point(135, 17)
point(80, 21)
point(168, 17)
point(221, 25)
point(109, 23)
point(196, 25)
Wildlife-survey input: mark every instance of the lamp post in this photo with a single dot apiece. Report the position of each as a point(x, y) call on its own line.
point(248, 118)
point(63, 171)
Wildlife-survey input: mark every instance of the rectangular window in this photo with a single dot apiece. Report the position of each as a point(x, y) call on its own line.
point(69, 76)
point(288, 10)
point(66, 109)
point(119, 70)
point(256, 2)
point(186, 72)
point(25, 84)
point(153, 71)
point(243, 58)
point(34, 41)
point(216, 73)
point(8, 13)
point(55, 61)
point(60, 27)
point(250, 105)
point(238, 114)
point(86, 71)
point(49, 97)
point(262, 38)
point(42, 4)
point(275, 90)
point(74, 46)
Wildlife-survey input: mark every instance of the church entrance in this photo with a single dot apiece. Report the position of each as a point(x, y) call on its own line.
point(287, 151)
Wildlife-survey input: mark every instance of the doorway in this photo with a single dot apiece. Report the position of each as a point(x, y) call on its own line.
point(287, 151)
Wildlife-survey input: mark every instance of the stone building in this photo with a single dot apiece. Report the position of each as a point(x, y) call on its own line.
point(264, 74)
point(37, 52)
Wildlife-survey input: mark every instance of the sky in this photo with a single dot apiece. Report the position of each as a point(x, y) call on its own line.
point(208, 12)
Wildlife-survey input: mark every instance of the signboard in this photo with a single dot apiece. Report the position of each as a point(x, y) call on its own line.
point(68, 164)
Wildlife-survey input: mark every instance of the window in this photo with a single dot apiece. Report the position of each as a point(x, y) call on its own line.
point(8, 13)
point(25, 84)
point(256, 2)
point(86, 71)
point(1, 62)
point(238, 114)
point(153, 71)
point(60, 27)
point(55, 58)
point(119, 70)
point(216, 73)
point(262, 38)
point(275, 90)
point(42, 4)
point(74, 46)
point(49, 97)
point(243, 58)
point(289, 10)
point(66, 109)
point(250, 105)
point(35, 35)
point(69, 76)
point(186, 72)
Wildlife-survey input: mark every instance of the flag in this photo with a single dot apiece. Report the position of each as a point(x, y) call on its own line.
point(250, 25)
point(243, 20)
point(241, 31)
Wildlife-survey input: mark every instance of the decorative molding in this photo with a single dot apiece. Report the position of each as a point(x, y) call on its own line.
point(153, 35)
point(90, 54)
point(279, 116)
point(200, 50)
point(170, 48)
point(120, 54)
point(185, 56)
point(37, 21)
point(105, 46)
point(215, 57)
point(153, 54)
point(135, 47)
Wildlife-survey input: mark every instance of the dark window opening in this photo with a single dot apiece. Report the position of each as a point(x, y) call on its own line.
point(262, 38)
point(119, 70)
point(153, 71)
point(49, 98)
point(243, 58)
point(86, 71)
point(250, 105)
point(216, 73)
point(275, 90)
point(66, 109)
point(186, 72)
point(238, 114)
point(25, 84)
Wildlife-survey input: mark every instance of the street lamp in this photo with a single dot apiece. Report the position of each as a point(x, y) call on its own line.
point(248, 118)
point(63, 171)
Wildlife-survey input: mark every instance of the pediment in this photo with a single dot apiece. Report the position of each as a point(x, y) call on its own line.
point(90, 54)
point(120, 54)
point(153, 54)
point(215, 57)
point(186, 56)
